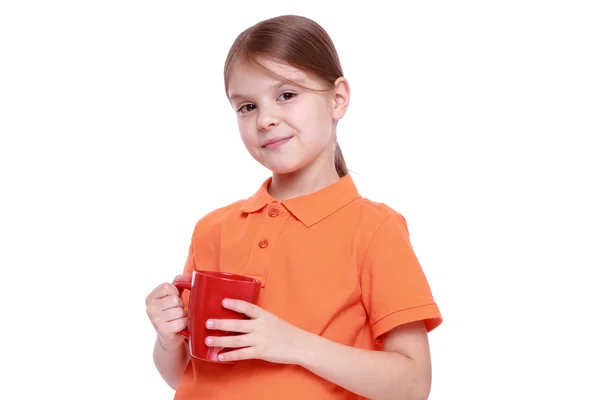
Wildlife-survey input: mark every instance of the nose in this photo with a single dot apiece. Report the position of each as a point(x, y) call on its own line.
point(267, 119)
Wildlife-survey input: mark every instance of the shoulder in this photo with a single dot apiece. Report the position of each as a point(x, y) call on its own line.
point(376, 226)
point(378, 215)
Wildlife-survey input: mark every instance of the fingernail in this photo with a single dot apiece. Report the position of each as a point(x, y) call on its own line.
point(221, 357)
point(209, 324)
point(226, 302)
point(208, 341)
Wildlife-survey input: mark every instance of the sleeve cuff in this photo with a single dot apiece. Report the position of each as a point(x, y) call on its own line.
point(428, 313)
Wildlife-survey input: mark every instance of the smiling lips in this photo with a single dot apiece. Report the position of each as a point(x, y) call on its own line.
point(275, 143)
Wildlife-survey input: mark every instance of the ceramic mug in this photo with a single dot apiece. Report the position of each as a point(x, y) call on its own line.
point(207, 291)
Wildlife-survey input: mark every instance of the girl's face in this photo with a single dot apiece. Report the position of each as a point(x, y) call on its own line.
point(285, 127)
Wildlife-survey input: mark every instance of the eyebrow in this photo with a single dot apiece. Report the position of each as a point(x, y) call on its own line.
point(299, 81)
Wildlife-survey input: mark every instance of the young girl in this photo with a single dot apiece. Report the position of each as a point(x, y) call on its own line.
point(345, 308)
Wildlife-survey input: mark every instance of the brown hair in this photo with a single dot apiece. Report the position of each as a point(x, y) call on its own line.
point(296, 41)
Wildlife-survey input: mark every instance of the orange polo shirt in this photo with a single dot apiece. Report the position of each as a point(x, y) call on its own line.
point(332, 263)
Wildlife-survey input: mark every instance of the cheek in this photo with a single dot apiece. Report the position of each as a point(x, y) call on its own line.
point(310, 119)
point(322, 111)
point(245, 131)
point(320, 126)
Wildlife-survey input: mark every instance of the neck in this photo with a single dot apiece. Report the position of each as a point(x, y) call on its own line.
point(302, 182)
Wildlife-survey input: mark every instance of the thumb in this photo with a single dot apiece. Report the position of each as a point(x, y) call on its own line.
point(179, 278)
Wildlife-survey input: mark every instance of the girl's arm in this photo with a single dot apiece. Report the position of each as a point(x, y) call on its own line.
point(401, 371)
point(171, 362)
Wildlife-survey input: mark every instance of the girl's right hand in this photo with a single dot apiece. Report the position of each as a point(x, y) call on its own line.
point(164, 307)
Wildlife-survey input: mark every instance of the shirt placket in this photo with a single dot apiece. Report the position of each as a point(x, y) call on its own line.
point(274, 217)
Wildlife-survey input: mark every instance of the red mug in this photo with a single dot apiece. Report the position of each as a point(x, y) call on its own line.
point(207, 291)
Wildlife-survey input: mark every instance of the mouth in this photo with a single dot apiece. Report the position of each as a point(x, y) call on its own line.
point(276, 142)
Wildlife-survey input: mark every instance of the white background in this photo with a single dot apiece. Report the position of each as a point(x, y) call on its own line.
point(478, 121)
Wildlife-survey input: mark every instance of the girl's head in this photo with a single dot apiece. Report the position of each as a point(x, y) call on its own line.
point(284, 79)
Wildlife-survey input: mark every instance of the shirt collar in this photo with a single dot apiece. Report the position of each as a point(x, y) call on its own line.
point(310, 208)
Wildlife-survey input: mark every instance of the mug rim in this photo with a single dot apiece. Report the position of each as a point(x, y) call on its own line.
point(227, 276)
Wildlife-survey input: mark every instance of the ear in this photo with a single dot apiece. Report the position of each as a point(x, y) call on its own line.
point(341, 97)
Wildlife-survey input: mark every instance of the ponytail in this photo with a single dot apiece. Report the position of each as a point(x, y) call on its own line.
point(340, 163)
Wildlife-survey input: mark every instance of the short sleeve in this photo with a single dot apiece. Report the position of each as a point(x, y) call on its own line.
point(395, 290)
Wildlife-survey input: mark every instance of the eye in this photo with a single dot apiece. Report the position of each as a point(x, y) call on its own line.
point(286, 96)
point(246, 108)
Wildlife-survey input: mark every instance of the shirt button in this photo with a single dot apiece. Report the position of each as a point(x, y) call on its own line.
point(272, 213)
point(263, 243)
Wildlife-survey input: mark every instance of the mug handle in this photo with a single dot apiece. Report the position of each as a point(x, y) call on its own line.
point(183, 282)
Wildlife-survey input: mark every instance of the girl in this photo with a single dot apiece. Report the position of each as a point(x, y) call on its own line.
point(345, 307)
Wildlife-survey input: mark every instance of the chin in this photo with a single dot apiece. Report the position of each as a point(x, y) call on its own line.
point(283, 169)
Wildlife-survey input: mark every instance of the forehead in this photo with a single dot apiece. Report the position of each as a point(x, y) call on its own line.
point(247, 78)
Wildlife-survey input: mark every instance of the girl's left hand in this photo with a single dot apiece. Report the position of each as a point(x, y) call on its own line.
point(264, 336)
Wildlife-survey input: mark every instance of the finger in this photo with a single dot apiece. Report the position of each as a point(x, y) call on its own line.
point(230, 341)
point(169, 302)
point(172, 329)
point(246, 353)
point(173, 314)
point(177, 325)
point(243, 307)
point(182, 278)
point(230, 325)
point(170, 323)
point(162, 290)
